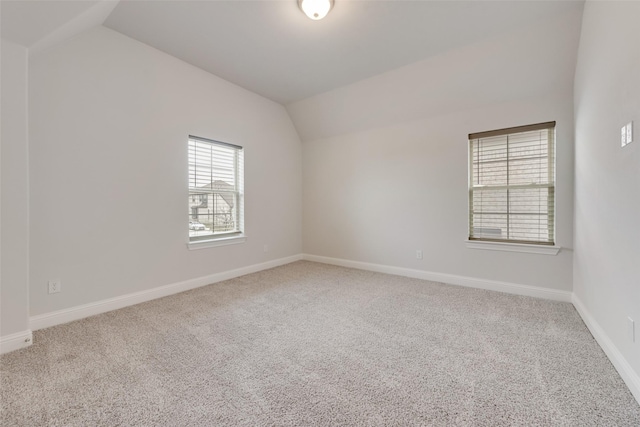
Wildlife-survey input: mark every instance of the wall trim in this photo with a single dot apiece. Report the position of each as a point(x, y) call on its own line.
point(16, 341)
point(628, 375)
point(470, 282)
point(513, 247)
point(59, 317)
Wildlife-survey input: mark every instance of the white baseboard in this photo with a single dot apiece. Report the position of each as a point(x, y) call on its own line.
point(16, 341)
point(470, 282)
point(629, 376)
point(47, 320)
point(24, 339)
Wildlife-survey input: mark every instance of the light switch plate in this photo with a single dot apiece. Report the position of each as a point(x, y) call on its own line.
point(629, 127)
point(623, 136)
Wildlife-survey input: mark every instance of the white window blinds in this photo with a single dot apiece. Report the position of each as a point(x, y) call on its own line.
point(215, 189)
point(512, 185)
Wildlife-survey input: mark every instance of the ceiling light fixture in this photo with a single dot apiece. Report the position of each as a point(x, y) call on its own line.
point(315, 9)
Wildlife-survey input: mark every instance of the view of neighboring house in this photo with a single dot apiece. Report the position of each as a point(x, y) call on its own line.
point(214, 187)
point(212, 205)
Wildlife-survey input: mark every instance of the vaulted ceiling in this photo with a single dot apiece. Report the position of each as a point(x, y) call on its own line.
point(271, 48)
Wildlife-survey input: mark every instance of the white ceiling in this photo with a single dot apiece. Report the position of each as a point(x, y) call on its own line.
point(270, 47)
point(527, 64)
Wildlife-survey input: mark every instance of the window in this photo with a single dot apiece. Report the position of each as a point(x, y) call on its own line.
point(512, 185)
point(215, 190)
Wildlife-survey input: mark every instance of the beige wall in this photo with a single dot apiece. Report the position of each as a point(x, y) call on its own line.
point(14, 314)
point(385, 160)
point(109, 120)
point(377, 196)
point(607, 196)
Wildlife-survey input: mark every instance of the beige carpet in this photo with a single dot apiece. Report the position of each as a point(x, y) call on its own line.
point(309, 344)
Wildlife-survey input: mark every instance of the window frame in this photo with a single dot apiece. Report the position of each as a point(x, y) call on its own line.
point(228, 237)
point(514, 245)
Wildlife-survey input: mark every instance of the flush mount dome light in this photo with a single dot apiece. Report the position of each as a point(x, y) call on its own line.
point(315, 9)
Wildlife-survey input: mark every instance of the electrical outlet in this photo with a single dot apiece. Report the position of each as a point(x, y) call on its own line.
point(631, 329)
point(418, 254)
point(629, 127)
point(55, 286)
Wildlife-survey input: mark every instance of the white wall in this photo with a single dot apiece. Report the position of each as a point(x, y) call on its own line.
point(108, 121)
point(14, 314)
point(379, 195)
point(385, 160)
point(607, 195)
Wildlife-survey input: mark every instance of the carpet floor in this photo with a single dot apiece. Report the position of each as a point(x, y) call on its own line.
point(309, 344)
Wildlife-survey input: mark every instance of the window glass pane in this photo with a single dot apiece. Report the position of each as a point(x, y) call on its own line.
point(511, 182)
point(214, 188)
point(528, 158)
point(490, 162)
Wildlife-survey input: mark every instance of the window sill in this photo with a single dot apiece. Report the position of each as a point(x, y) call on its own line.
point(513, 247)
point(215, 242)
